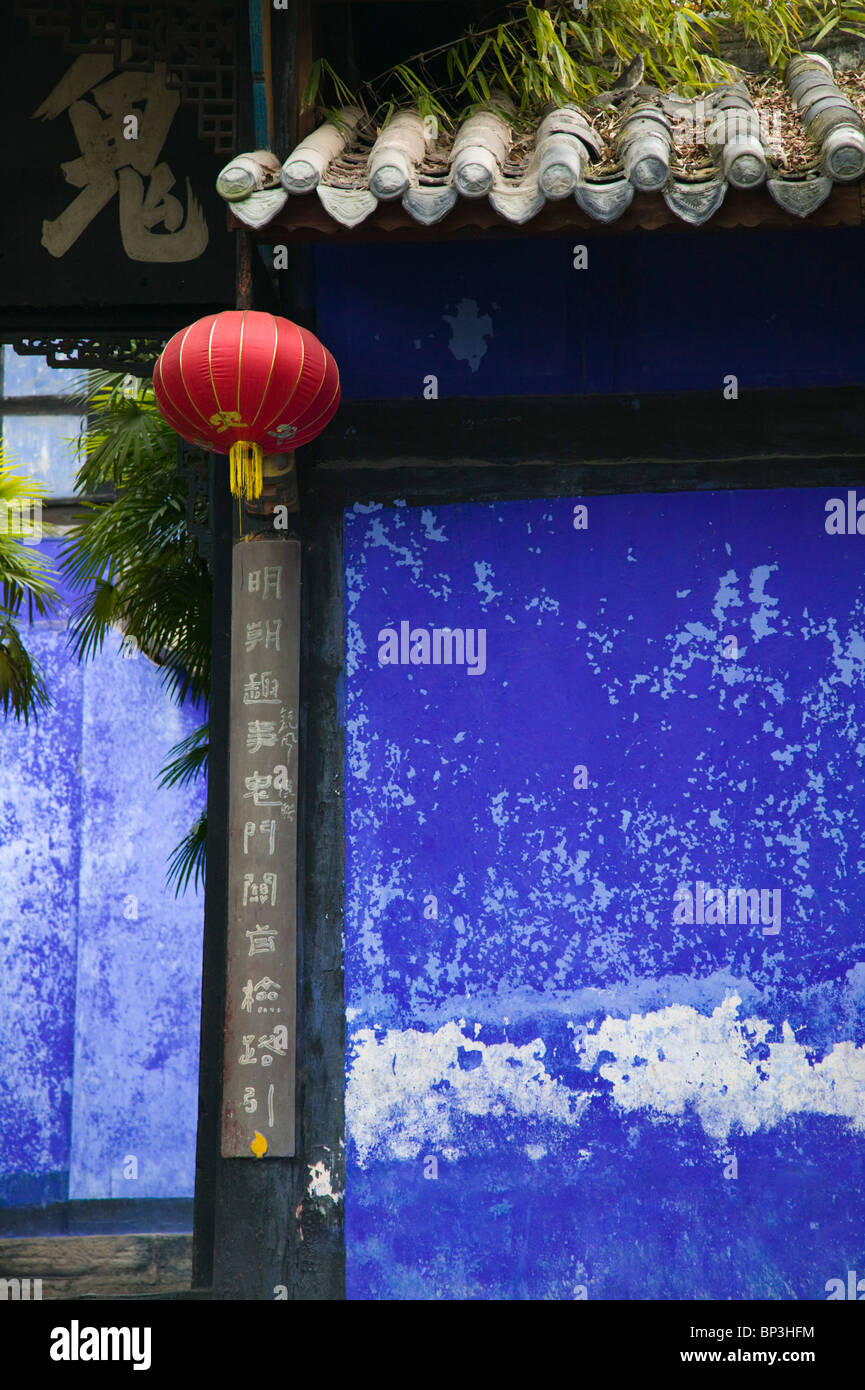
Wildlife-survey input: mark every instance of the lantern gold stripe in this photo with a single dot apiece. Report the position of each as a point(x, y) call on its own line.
point(183, 375)
point(210, 362)
point(240, 359)
point(291, 396)
point(318, 392)
point(311, 423)
point(166, 393)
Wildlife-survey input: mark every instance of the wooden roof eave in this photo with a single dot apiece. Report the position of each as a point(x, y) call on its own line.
point(303, 219)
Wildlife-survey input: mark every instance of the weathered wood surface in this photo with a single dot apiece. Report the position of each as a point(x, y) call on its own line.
point(600, 431)
point(306, 220)
point(99, 1266)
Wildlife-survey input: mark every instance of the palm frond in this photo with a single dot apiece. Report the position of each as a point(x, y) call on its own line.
point(22, 684)
point(188, 759)
point(25, 574)
point(188, 860)
point(133, 556)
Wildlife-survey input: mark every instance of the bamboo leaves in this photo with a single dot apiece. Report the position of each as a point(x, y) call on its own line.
point(560, 54)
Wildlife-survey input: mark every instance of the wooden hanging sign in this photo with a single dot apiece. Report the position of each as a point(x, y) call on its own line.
point(258, 1102)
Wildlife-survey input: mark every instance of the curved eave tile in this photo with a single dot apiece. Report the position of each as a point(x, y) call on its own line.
point(348, 206)
point(429, 205)
point(260, 207)
point(518, 204)
point(695, 203)
point(605, 202)
point(800, 196)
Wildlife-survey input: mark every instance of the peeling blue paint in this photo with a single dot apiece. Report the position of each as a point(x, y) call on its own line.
point(100, 966)
point(497, 910)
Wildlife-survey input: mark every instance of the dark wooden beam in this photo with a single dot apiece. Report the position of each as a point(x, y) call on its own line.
point(207, 1159)
point(304, 219)
point(668, 428)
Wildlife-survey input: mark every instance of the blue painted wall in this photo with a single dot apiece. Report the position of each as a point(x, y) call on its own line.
point(652, 312)
point(100, 965)
point(555, 1089)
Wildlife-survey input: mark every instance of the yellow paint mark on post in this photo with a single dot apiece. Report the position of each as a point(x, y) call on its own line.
point(259, 1145)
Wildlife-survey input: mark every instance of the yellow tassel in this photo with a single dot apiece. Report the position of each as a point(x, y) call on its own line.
point(245, 460)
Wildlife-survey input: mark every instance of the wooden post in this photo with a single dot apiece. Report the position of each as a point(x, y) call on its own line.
point(305, 120)
point(215, 890)
point(267, 66)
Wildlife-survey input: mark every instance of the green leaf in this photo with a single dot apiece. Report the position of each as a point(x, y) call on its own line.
point(22, 686)
point(478, 56)
point(188, 759)
point(189, 859)
point(313, 82)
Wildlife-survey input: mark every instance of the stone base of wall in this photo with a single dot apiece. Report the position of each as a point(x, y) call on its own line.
point(99, 1266)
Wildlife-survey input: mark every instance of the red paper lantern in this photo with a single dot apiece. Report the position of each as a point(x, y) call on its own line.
point(246, 383)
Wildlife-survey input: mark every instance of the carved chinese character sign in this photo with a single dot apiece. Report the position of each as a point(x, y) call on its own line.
point(119, 150)
point(116, 123)
point(261, 981)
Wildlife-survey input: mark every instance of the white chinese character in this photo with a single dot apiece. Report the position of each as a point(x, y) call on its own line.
point(111, 162)
point(262, 892)
point(261, 691)
point(272, 577)
point(267, 827)
point(256, 786)
point(287, 728)
point(260, 733)
point(262, 940)
point(265, 634)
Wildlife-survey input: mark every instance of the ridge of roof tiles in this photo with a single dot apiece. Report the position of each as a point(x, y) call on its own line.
point(689, 150)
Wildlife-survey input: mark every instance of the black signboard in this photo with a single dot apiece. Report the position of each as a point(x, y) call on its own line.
point(116, 121)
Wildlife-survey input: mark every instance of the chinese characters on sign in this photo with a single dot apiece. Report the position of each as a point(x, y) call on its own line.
point(121, 130)
point(258, 1076)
